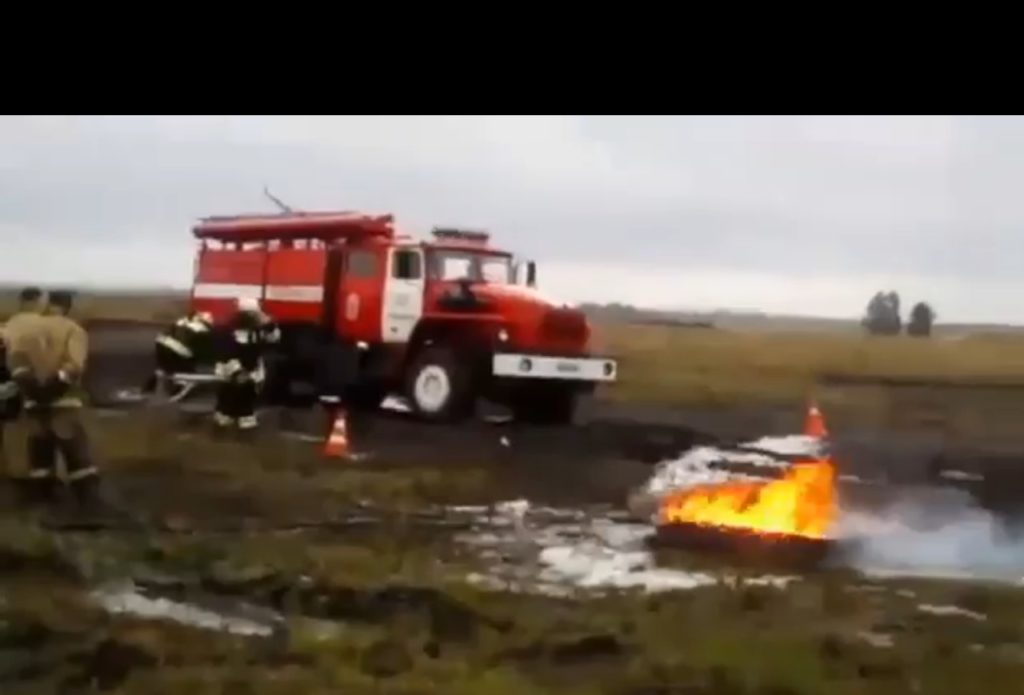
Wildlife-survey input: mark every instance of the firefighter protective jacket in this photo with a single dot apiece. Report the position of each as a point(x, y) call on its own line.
point(19, 329)
point(244, 344)
point(8, 389)
point(53, 351)
point(270, 333)
point(189, 337)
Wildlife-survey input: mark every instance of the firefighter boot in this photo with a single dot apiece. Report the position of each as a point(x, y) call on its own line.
point(41, 484)
point(86, 491)
point(83, 476)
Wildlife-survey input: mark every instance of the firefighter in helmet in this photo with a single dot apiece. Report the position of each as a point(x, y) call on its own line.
point(48, 366)
point(181, 348)
point(241, 365)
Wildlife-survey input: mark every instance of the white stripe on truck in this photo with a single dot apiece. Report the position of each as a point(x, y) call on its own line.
point(295, 293)
point(276, 293)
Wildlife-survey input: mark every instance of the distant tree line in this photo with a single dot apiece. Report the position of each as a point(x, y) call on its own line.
point(883, 317)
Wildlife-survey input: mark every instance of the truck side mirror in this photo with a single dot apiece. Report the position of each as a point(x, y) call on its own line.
point(531, 274)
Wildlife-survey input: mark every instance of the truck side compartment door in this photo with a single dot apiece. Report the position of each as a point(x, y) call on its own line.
point(360, 293)
point(332, 284)
point(403, 293)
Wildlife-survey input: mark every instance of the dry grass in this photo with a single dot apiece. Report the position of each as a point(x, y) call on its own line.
point(120, 307)
point(714, 367)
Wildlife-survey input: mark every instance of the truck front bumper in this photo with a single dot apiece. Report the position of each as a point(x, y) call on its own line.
point(527, 366)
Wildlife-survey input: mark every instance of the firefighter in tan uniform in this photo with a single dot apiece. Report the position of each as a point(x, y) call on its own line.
point(48, 371)
point(10, 403)
point(14, 331)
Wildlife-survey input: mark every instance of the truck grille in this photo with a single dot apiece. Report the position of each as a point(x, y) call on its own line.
point(564, 325)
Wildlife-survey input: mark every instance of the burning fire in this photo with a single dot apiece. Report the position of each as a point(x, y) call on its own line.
point(802, 503)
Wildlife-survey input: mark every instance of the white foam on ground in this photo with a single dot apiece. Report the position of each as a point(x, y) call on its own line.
point(562, 551)
point(696, 467)
point(590, 565)
point(131, 602)
point(787, 445)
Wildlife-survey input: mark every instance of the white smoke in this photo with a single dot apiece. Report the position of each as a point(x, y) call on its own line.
point(935, 533)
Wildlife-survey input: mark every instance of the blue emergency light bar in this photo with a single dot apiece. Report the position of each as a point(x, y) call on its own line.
point(460, 235)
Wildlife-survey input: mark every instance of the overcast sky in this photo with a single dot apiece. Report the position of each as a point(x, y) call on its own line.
point(795, 215)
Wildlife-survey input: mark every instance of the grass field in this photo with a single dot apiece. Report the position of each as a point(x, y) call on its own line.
point(717, 367)
point(829, 632)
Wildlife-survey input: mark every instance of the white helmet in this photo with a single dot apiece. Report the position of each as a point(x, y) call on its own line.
point(249, 304)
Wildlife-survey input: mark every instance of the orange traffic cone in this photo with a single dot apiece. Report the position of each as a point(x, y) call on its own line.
point(814, 425)
point(336, 445)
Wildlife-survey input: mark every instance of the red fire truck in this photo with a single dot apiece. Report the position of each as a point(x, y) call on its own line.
point(368, 312)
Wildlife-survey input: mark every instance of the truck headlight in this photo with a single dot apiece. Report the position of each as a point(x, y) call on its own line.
point(503, 336)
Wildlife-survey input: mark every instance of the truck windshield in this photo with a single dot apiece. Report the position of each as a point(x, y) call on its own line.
point(478, 267)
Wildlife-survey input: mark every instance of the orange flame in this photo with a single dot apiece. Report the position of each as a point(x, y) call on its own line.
point(802, 503)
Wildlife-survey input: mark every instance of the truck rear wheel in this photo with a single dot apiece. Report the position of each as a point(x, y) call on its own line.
point(438, 387)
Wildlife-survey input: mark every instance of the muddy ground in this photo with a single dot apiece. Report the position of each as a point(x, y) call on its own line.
point(258, 565)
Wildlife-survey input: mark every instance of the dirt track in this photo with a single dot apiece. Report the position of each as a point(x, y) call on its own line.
point(614, 446)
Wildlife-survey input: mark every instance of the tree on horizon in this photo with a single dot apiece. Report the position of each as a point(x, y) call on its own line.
point(922, 319)
point(883, 314)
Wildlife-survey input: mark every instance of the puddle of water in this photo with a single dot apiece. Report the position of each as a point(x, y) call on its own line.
point(877, 639)
point(395, 404)
point(302, 437)
point(132, 395)
point(961, 476)
point(950, 610)
point(128, 600)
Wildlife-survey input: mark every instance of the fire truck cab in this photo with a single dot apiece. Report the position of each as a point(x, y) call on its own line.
point(366, 312)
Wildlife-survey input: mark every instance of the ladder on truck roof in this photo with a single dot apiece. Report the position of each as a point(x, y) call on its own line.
point(323, 226)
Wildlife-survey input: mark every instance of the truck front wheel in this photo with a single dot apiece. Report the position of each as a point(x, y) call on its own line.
point(438, 387)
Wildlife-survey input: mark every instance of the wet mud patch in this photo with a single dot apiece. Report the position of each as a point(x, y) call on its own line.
point(24, 549)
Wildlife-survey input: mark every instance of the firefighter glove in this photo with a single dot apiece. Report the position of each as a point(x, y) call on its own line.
point(30, 388)
point(8, 389)
point(53, 389)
